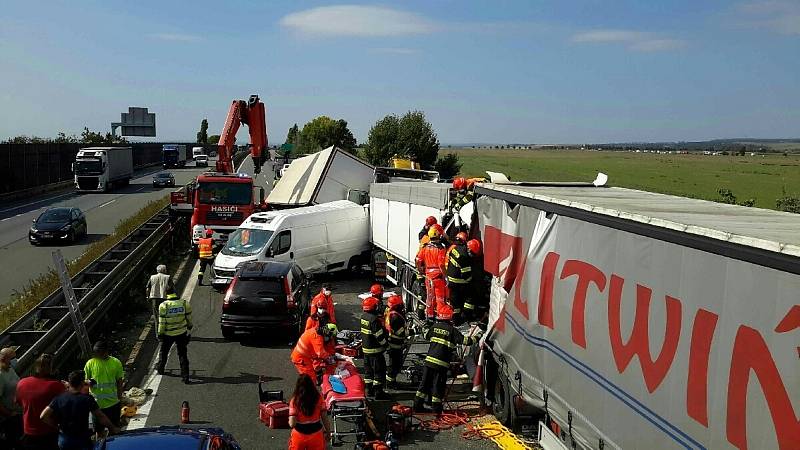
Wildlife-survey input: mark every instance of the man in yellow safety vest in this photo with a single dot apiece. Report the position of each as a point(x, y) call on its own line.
point(174, 325)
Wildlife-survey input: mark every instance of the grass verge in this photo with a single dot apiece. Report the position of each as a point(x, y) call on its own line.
point(39, 288)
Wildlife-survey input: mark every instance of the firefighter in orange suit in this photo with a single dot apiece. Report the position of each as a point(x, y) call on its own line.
point(319, 315)
point(205, 251)
point(315, 350)
point(325, 297)
point(430, 263)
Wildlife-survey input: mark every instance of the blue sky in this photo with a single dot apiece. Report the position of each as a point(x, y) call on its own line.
point(531, 71)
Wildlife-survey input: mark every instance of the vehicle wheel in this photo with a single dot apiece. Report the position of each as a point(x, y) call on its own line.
point(354, 266)
point(228, 333)
point(501, 403)
point(85, 233)
point(71, 239)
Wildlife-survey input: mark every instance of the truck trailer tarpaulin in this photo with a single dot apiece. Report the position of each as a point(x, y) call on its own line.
point(645, 320)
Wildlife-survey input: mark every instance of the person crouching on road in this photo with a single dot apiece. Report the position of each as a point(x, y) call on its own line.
point(105, 376)
point(174, 325)
point(205, 252)
point(316, 350)
point(395, 324)
point(373, 344)
point(444, 339)
point(308, 416)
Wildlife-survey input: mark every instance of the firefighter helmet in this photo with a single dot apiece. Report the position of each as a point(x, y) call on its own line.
point(444, 312)
point(436, 231)
point(320, 304)
point(209, 233)
point(474, 246)
point(470, 183)
point(376, 290)
point(369, 304)
point(430, 220)
point(395, 302)
point(462, 236)
point(459, 183)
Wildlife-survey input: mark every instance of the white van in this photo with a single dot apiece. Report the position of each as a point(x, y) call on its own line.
point(321, 238)
point(197, 151)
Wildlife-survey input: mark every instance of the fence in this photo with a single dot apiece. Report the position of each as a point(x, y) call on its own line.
point(25, 166)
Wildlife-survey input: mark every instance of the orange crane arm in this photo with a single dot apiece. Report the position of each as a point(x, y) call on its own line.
point(253, 114)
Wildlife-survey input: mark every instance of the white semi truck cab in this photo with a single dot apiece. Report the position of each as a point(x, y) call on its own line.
point(97, 169)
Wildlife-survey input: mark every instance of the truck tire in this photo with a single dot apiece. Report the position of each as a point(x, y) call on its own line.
point(501, 403)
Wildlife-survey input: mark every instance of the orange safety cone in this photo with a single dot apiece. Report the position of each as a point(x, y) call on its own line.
point(477, 380)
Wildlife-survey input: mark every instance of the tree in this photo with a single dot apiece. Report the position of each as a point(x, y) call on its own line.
point(202, 135)
point(94, 137)
point(411, 136)
point(417, 137)
point(292, 135)
point(323, 132)
point(213, 139)
point(383, 141)
point(788, 202)
point(448, 166)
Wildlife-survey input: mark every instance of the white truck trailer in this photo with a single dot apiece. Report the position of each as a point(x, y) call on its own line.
point(325, 176)
point(98, 169)
point(628, 319)
point(397, 213)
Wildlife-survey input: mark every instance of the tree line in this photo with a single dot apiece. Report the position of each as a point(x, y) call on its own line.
point(86, 137)
point(408, 136)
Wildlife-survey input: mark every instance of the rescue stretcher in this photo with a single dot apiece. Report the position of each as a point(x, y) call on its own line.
point(347, 411)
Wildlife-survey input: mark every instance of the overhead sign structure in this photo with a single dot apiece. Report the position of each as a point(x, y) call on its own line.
point(136, 122)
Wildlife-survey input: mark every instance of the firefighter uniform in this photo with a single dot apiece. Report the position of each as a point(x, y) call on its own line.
point(444, 340)
point(475, 305)
point(373, 344)
point(430, 262)
point(395, 324)
point(327, 300)
point(461, 199)
point(459, 276)
point(174, 324)
point(205, 251)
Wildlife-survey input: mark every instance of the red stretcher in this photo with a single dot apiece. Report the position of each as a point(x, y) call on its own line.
point(347, 411)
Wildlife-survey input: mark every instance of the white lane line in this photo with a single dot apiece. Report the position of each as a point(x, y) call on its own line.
point(154, 380)
point(107, 203)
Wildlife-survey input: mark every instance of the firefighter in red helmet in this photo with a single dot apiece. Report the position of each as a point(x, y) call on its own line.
point(395, 325)
point(373, 344)
point(475, 303)
point(458, 265)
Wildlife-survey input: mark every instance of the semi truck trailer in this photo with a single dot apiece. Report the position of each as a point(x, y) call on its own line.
point(98, 169)
point(173, 155)
point(627, 319)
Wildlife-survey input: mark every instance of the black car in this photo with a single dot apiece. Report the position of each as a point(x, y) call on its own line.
point(264, 295)
point(58, 225)
point(163, 179)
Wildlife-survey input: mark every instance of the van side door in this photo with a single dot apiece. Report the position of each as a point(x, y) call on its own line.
point(281, 247)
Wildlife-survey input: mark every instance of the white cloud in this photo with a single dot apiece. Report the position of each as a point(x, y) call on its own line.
point(356, 20)
point(609, 36)
point(396, 50)
point(657, 45)
point(176, 37)
point(781, 17)
point(633, 40)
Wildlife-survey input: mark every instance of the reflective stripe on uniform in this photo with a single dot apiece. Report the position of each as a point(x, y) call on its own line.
point(469, 306)
point(459, 280)
point(444, 342)
point(436, 361)
point(372, 351)
point(421, 394)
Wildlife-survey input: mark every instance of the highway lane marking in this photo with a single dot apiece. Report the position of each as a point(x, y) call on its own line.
point(107, 203)
point(154, 380)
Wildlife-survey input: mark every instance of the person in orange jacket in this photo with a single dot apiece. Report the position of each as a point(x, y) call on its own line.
point(319, 315)
point(315, 350)
point(325, 297)
point(430, 262)
point(205, 252)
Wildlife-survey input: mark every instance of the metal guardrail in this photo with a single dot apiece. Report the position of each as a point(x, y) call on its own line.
point(48, 328)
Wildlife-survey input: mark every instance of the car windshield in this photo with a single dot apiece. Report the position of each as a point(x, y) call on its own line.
point(164, 175)
point(54, 216)
point(216, 193)
point(246, 242)
point(88, 166)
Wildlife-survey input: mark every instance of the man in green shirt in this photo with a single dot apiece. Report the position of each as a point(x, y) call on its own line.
point(105, 375)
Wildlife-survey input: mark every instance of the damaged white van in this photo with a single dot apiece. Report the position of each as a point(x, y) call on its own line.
point(321, 238)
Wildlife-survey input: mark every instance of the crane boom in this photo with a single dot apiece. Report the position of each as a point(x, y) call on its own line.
point(253, 114)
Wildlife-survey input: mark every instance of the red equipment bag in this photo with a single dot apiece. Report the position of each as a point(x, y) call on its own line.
point(274, 414)
point(347, 350)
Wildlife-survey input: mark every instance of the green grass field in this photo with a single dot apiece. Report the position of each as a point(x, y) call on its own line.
point(693, 175)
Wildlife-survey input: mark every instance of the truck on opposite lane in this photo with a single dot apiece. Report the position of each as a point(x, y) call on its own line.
point(98, 169)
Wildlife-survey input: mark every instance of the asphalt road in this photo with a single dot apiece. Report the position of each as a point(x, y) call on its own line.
point(22, 261)
point(225, 374)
